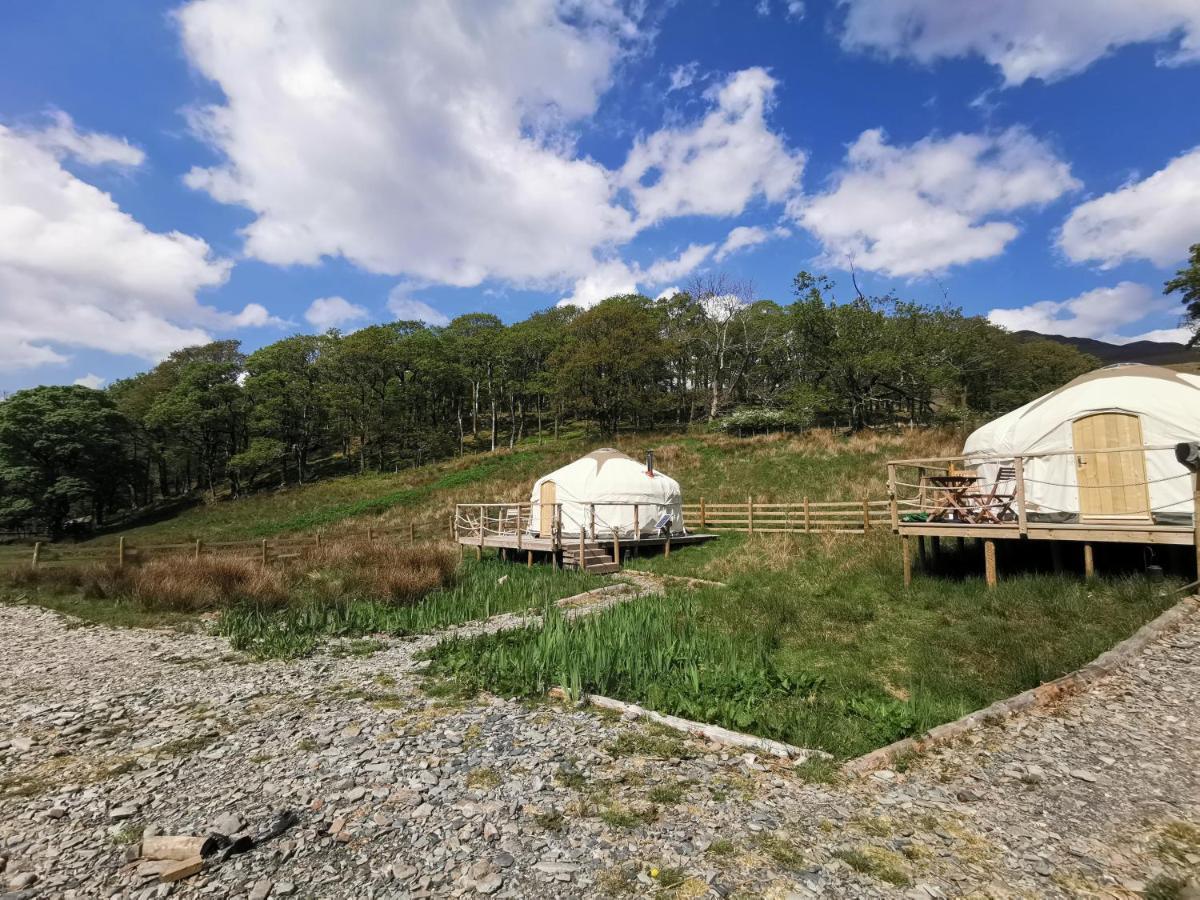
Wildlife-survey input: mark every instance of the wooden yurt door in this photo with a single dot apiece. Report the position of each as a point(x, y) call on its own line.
point(1111, 485)
point(547, 497)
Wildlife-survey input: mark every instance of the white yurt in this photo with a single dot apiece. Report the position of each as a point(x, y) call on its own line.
point(617, 485)
point(1058, 436)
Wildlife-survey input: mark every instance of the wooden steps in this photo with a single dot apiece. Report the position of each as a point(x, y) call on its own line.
point(596, 559)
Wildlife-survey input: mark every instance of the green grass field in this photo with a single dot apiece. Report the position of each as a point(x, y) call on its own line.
point(814, 640)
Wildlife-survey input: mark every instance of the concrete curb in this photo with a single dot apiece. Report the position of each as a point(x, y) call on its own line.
point(1071, 683)
point(714, 733)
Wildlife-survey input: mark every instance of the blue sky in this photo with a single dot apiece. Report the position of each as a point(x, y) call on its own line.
point(173, 172)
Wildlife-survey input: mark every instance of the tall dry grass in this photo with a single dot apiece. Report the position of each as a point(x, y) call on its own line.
point(352, 570)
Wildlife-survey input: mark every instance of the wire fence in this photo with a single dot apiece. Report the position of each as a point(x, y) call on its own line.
point(265, 550)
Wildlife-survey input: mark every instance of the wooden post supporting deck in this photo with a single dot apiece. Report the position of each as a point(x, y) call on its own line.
point(1196, 519)
point(935, 545)
point(581, 549)
point(529, 559)
point(989, 562)
point(592, 519)
point(1089, 562)
point(921, 550)
point(616, 546)
point(906, 551)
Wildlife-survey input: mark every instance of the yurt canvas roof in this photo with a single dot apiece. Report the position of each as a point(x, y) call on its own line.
point(610, 475)
point(1159, 396)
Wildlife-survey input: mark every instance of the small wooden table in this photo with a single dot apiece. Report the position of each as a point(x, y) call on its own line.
point(952, 497)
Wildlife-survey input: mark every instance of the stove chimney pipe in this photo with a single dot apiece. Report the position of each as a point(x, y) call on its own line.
point(649, 462)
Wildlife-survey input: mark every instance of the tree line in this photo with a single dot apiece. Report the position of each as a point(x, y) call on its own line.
point(213, 419)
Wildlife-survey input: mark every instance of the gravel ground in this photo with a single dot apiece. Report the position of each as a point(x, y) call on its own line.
point(109, 734)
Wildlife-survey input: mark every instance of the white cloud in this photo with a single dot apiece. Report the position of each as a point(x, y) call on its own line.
point(664, 270)
point(683, 76)
point(77, 271)
point(795, 9)
point(1156, 218)
point(744, 236)
point(1046, 39)
point(616, 277)
point(668, 293)
point(61, 137)
point(409, 309)
point(608, 279)
point(907, 211)
point(718, 165)
point(333, 312)
point(427, 138)
point(95, 382)
point(1102, 313)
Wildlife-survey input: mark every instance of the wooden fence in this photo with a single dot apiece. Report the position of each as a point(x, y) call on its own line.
point(265, 550)
point(805, 517)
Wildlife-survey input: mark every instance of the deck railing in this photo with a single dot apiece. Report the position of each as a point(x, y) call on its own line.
point(595, 520)
point(1042, 489)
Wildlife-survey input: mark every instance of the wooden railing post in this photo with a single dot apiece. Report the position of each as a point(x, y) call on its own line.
point(518, 526)
point(637, 522)
point(1196, 519)
point(616, 546)
point(1022, 512)
point(121, 551)
point(592, 519)
point(582, 538)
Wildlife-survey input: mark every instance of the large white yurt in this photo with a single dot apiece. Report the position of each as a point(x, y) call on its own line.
point(1059, 436)
point(616, 485)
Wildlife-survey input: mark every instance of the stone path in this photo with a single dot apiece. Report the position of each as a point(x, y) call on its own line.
point(107, 734)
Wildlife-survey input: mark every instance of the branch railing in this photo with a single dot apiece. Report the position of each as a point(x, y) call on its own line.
point(1042, 487)
point(523, 519)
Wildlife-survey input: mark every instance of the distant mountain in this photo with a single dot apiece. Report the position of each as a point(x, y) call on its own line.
point(1154, 353)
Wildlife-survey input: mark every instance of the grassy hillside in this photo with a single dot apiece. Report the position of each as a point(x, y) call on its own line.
point(820, 465)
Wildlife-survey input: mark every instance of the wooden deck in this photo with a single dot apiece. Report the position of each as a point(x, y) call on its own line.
point(1001, 511)
point(589, 545)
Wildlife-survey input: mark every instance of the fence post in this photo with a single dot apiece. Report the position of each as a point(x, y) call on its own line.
point(318, 537)
point(121, 551)
point(703, 518)
point(37, 554)
point(866, 515)
point(750, 514)
point(264, 551)
point(807, 523)
point(412, 533)
point(370, 534)
point(198, 548)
